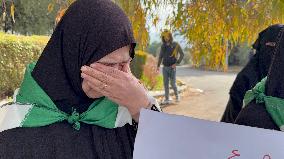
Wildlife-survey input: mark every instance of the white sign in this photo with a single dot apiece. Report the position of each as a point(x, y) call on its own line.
point(164, 136)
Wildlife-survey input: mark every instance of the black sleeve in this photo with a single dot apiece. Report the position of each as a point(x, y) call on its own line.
point(232, 110)
point(245, 80)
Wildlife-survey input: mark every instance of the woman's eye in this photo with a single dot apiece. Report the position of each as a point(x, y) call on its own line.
point(109, 64)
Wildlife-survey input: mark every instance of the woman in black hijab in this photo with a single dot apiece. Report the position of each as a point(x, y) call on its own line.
point(253, 72)
point(89, 31)
point(264, 103)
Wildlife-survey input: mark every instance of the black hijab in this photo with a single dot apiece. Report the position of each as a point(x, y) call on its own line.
point(89, 30)
point(275, 78)
point(256, 115)
point(253, 72)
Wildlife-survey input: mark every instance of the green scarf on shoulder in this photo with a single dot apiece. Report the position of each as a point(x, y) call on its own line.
point(274, 105)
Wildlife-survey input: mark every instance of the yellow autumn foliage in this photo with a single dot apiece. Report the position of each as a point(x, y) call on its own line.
point(214, 27)
point(211, 27)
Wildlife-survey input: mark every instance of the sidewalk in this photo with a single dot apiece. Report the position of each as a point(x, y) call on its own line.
point(3, 102)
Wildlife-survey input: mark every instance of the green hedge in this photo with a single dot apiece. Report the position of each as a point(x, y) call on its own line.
point(15, 53)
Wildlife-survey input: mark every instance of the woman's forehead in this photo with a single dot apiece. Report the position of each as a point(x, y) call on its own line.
point(117, 56)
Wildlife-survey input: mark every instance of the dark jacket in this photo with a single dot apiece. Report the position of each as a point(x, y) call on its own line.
point(169, 54)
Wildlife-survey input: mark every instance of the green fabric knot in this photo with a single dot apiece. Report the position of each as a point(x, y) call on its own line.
point(257, 93)
point(259, 97)
point(273, 105)
point(74, 120)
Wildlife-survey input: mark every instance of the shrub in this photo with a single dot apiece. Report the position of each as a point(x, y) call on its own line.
point(15, 53)
point(151, 78)
point(149, 83)
point(138, 63)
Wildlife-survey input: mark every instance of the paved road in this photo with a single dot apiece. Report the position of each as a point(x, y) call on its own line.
point(208, 104)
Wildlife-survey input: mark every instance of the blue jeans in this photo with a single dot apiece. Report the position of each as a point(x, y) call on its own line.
point(169, 74)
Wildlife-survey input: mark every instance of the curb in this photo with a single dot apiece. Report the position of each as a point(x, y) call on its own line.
point(158, 94)
point(3, 102)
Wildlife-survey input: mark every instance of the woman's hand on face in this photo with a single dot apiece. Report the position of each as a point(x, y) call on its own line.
point(119, 86)
point(89, 91)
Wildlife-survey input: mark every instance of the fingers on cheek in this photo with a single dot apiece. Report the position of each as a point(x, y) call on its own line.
point(102, 70)
point(115, 73)
point(95, 74)
point(108, 94)
point(100, 89)
point(112, 74)
point(115, 99)
point(108, 80)
point(86, 86)
point(111, 71)
point(86, 77)
point(103, 77)
point(87, 71)
point(92, 85)
point(95, 87)
point(93, 81)
point(109, 90)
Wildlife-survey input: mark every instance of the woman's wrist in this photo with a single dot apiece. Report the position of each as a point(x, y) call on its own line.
point(136, 115)
point(148, 105)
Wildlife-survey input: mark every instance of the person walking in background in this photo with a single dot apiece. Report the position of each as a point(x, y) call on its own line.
point(171, 54)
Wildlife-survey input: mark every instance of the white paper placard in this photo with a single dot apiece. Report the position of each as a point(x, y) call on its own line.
point(164, 136)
